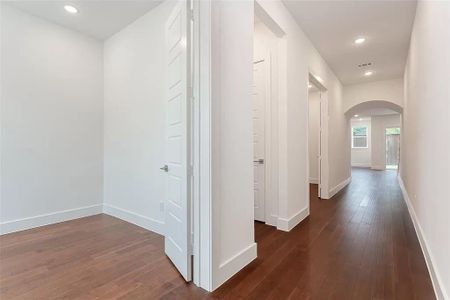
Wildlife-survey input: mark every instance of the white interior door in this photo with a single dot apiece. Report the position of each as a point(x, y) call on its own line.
point(177, 213)
point(259, 110)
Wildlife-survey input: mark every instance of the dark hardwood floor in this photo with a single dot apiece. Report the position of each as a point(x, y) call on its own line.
point(360, 244)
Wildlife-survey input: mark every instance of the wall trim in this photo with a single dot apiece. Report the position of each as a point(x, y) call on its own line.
point(234, 264)
point(338, 188)
point(313, 180)
point(288, 224)
point(378, 168)
point(361, 165)
point(134, 218)
point(436, 279)
point(48, 219)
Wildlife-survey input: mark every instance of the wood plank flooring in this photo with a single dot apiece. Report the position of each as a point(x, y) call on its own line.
point(359, 245)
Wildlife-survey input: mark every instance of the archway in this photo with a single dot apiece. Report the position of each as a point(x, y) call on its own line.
point(374, 107)
point(371, 131)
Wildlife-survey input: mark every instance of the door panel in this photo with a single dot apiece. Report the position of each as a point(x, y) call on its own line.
point(177, 242)
point(259, 110)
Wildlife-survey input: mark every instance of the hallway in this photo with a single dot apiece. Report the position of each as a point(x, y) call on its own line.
point(360, 244)
point(262, 149)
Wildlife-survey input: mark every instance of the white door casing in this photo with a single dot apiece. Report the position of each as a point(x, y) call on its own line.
point(259, 111)
point(319, 155)
point(177, 242)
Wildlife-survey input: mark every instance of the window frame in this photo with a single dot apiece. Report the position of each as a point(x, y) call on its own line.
point(366, 136)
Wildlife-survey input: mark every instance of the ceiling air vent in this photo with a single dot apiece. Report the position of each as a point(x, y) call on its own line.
point(365, 65)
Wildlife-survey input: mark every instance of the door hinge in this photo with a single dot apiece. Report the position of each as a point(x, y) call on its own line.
point(191, 14)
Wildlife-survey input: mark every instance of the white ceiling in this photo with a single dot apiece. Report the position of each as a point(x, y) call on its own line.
point(332, 26)
point(99, 19)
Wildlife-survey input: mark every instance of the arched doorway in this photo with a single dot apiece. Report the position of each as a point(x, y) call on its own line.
point(374, 107)
point(375, 128)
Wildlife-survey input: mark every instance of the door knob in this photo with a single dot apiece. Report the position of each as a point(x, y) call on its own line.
point(165, 168)
point(259, 161)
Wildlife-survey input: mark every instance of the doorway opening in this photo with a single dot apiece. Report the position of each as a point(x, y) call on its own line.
point(316, 106)
point(314, 137)
point(392, 138)
point(267, 37)
point(375, 140)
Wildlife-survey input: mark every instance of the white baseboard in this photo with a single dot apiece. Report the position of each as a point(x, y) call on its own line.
point(287, 224)
point(361, 165)
point(314, 180)
point(337, 188)
point(51, 218)
point(436, 279)
point(233, 265)
point(134, 218)
point(272, 220)
point(378, 168)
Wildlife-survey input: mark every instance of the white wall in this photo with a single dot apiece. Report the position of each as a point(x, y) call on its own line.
point(51, 122)
point(426, 130)
point(298, 58)
point(264, 42)
point(379, 125)
point(362, 157)
point(313, 136)
point(232, 138)
point(135, 71)
point(387, 90)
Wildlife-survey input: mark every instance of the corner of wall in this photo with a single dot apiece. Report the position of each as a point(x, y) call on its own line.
point(336, 189)
point(134, 218)
point(287, 224)
point(234, 264)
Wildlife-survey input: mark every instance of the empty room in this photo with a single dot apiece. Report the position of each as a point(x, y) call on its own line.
point(93, 129)
point(249, 149)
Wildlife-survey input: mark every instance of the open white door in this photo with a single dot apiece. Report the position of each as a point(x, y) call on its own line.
point(177, 216)
point(259, 145)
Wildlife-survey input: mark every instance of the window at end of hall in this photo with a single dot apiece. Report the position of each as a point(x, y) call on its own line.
point(359, 137)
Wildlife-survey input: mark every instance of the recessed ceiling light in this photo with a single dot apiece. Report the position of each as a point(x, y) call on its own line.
point(309, 85)
point(71, 9)
point(359, 41)
point(360, 119)
point(356, 116)
point(368, 73)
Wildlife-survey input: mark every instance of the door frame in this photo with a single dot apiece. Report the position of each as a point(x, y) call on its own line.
point(202, 144)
